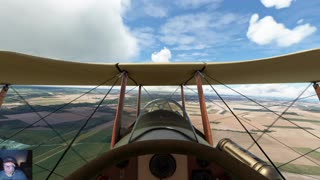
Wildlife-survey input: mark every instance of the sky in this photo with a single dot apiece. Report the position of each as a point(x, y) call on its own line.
point(159, 31)
point(110, 31)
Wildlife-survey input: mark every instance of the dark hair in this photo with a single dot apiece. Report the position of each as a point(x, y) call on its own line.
point(10, 159)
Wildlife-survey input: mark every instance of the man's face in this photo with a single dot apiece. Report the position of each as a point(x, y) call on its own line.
point(8, 168)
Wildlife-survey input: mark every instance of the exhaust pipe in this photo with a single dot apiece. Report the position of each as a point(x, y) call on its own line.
point(236, 151)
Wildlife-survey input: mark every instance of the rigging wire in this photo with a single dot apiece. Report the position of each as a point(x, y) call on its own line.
point(299, 157)
point(78, 133)
point(276, 120)
point(46, 170)
point(174, 92)
point(209, 99)
point(265, 107)
point(308, 96)
point(260, 129)
point(68, 131)
point(58, 109)
point(282, 104)
point(287, 147)
point(265, 154)
point(280, 116)
point(125, 93)
point(131, 89)
point(147, 93)
point(61, 165)
point(281, 142)
point(46, 122)
point(48, 108)
point(101, 150)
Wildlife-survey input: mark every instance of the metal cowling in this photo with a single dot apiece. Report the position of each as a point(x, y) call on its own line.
point(236, 151)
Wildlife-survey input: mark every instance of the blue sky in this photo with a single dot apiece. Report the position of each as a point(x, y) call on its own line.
point(110, 31)
point(218, 30)
point(154, 30)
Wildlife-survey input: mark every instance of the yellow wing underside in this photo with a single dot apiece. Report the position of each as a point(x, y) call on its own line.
point(21, 69)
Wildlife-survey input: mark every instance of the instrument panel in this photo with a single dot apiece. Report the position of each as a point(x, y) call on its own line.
point(164, 167)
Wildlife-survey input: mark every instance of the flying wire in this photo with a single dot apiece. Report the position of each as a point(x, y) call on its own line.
point(48, 124)
point(114, 100)
point(42, 118)
point(265, 130)
point(299, 157)
point(265, 107)
point(280, 116)
point(46, 170)
point(147, 93)
point(282, 104)
point(174, 92)
point(209, 99)
point(102, 148)
point(281, 142)
point(47, 108)
point(78, 133)
point(61, 165)
point(58, 109)
point(276, 120)
point(68, 131)
point(261, 149)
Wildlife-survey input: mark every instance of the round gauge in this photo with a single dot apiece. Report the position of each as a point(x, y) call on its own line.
point(162, 165)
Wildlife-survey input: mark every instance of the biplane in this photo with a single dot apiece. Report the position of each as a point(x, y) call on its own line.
point(162, 143)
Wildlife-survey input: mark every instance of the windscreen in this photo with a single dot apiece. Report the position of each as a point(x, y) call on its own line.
point(164, 114)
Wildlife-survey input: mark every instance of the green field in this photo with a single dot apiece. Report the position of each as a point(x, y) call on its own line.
point(310, 109)
point(289, 127)
point(214, 122)
point(94, 140)
point(304, 120)
point(262, 110)
point(89, 145)
point(300, 169)
point(12, 124)
point(252, 110)
point(229, 130)
point(313, 154)
point(71, 161)
point(264, 130)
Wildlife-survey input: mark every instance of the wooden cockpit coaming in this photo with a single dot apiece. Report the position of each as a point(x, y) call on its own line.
point(161, 124)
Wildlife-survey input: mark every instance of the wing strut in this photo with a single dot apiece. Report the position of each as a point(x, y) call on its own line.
point(317, 89)
point(117, 121)
point(183, 99)
point(203, 108)
point(3, 93)
point(139, 101)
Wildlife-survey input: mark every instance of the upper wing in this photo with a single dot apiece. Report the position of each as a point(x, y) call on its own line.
point(21, 69)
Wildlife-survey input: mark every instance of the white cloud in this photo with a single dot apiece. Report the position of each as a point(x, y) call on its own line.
point(191, 4)
point(264, 90)
point(198, 31)
point(83, 30)
point(280, 91)
point(155, 10)
point(196, 46)
point(199, 54)
point(192, 55)
point(275, 90)
point(145, 36)
point(300, 21)
point(278, 4)
point(163, 56)
point(267, 30)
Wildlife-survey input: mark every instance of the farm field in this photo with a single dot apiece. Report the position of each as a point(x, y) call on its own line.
point(283, 139)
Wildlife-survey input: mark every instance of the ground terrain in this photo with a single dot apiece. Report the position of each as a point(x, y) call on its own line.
point(282, 140)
